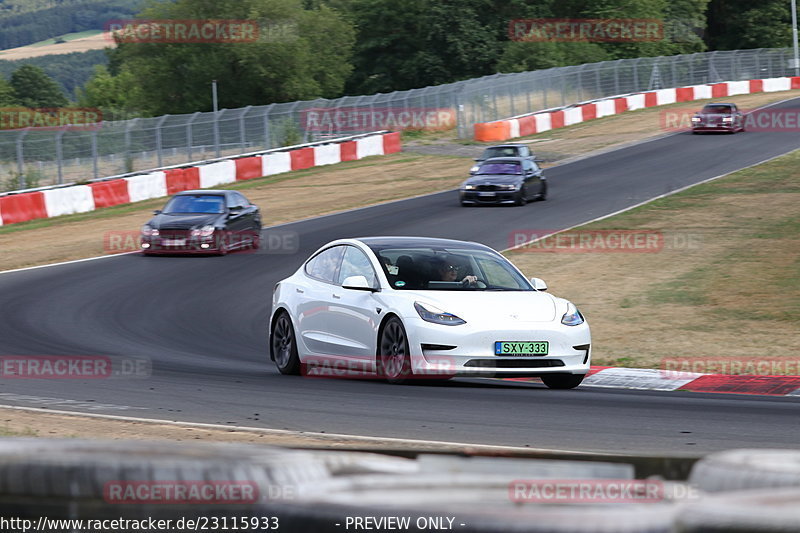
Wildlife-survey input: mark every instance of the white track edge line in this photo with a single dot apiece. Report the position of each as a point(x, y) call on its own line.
point(311, 434)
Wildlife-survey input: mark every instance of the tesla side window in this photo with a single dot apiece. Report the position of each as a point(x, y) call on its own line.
point(188, 203)
point(355, 263)
point(325, 265)
point(499, 168)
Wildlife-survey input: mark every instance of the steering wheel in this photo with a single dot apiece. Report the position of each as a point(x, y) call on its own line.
point(475, 283)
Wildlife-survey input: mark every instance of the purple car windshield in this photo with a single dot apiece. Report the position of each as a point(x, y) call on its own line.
point(500, 168)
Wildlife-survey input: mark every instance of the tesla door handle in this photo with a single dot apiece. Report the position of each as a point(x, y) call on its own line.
point(301, 291)
point(336, 296)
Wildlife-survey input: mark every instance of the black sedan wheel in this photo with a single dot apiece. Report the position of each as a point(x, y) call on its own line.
point(284, 346)
point(394, 360)
point(543, 191)
point(522, 196)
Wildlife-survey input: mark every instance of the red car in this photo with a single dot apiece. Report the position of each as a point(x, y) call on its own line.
point(718, 117)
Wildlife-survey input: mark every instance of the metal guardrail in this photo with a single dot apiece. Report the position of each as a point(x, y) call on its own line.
point(117, 147)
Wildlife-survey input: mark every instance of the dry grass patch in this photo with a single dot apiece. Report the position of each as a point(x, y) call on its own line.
point(725, 284)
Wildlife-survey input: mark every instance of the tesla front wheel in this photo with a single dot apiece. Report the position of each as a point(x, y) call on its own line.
point(562, 381)
point(284, 346)
point(394, 361)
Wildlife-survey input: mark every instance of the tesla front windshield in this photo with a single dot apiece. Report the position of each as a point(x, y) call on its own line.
point(500, 168)
point(198, 203)
point(449, 269)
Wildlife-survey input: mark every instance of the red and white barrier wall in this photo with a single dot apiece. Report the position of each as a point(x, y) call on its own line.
point(502, 130)
point(83, 198)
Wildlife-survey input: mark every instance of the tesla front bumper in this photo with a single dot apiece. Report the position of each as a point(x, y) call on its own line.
point(467, 350)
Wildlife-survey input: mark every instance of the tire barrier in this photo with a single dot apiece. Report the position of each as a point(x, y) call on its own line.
point(747, 469)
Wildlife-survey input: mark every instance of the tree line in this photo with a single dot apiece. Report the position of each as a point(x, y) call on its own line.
point(329, 48)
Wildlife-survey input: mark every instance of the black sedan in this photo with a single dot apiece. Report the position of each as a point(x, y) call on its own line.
point(204, 221)
point(504, 180)
point(718, 117)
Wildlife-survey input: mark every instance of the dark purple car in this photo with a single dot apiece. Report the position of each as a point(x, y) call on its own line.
point(718, 117)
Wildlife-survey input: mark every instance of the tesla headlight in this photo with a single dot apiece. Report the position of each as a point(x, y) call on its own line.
point(205, 231)
point(469, 187)
point(149, 231)
point(572, 317)
point(429, 313)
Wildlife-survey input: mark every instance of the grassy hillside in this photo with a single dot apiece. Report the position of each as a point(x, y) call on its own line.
point(23, 22)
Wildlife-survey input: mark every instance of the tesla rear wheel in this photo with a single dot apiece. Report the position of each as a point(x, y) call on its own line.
point(394, 361)
point(284, 346)
point(562, 381)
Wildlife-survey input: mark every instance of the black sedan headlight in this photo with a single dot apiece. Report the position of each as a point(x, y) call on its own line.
point(149, 231)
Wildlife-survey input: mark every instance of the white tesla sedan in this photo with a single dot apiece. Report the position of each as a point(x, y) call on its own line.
point(404, 308)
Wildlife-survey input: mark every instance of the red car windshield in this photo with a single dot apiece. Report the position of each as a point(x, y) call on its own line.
point(717, 109)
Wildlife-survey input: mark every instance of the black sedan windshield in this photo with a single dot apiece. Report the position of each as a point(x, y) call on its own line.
point(199, 203)
point(500, 168)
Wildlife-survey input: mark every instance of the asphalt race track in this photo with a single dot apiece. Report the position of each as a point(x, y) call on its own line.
point(202, 322)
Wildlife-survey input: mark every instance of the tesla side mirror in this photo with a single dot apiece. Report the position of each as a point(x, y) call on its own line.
point(539, 284)
point(358, 283)
point(157, 212)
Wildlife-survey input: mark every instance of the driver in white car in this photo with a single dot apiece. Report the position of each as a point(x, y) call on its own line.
point(449, 272)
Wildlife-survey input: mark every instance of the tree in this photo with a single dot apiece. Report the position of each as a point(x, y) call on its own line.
point(114, 95)
point(300, 54)
point(7, 97)
point(736, 24)
point(33, 88)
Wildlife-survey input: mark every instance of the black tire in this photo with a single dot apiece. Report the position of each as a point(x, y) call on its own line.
point(393, 360)
point(543, 191)
point(283, 346)
point(562, 381)
point(522, 196)
point(255, 239)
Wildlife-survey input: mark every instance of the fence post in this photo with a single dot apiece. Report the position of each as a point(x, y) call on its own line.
point(189, 135)
point(242, 132)
point(95, 173)
point(21, 158)
point(267, 137)
point(60, 154)
point(128, 128)
point(158, 140)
